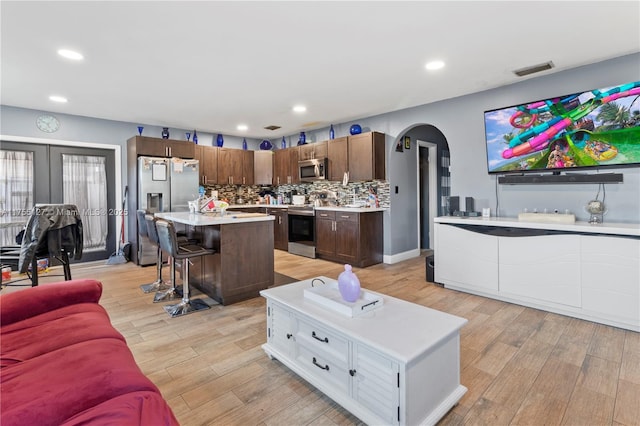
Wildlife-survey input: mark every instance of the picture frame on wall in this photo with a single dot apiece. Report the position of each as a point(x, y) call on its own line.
point(407, 142)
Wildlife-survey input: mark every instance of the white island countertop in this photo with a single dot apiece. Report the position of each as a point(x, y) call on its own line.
point(631, 229)
point(206, 219)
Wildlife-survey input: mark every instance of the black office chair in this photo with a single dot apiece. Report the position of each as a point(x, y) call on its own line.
point(169, 243)
point(52, 231)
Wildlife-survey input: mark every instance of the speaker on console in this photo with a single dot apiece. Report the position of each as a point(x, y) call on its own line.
point(469, 205)
point(454, 204)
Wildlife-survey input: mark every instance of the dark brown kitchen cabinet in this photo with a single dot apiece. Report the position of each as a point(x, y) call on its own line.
point(325, 234)
point(294, 172)
point(366, 156)
point(349, 237)
point(208, 163)
point(280, 228)
point(285, 166)
point(230, 168)
point(313, 150)
point(247, 168)
point(158, 147)
point(338, 156)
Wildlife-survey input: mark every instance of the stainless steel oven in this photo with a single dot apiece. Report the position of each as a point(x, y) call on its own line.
point(302, 231)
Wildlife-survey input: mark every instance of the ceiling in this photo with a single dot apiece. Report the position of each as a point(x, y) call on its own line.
point(211, 65)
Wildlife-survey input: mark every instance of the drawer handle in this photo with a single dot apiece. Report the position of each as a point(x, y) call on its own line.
point(315, 336)
point(352, 372)
point(289, 335)
point(324, 367)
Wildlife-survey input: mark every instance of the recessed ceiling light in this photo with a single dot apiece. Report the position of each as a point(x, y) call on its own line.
point(434, 65)
point(242, 127)
point(60, 99)
point(299, 108)
point(70, 54)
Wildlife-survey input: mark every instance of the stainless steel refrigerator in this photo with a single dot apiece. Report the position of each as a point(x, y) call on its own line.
point(164, 185)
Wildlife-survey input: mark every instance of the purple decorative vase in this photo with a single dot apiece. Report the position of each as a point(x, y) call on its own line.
point(349, 285)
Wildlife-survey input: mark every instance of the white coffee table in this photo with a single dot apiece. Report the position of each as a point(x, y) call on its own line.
point(397, 364)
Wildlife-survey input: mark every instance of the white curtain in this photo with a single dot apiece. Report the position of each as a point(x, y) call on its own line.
point(16, 193)
point(84, 183)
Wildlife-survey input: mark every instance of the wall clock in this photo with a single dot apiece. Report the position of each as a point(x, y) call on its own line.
point(47, 123)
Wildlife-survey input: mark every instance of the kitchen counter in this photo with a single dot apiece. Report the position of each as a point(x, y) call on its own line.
point(238, 241)
point(206, 219)
point(353, 209)
point(255, 206)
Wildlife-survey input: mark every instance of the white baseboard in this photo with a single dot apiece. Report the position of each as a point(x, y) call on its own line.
point(395, 258)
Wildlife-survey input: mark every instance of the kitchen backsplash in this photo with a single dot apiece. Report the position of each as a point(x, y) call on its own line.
point(353, 192)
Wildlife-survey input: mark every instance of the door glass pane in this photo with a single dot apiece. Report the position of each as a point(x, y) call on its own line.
point(16, 193)
point(84, 183)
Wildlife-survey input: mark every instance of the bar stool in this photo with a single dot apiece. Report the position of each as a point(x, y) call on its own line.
point(169, 243)
point(159, 284)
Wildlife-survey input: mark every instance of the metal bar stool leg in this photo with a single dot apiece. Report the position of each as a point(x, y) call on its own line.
point(186, 306)
point(172, 293)
point(159, 284)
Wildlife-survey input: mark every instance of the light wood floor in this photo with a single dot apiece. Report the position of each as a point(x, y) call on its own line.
point(522, 366)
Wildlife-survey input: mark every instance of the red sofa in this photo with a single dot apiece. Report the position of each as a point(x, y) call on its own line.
point(63, 363)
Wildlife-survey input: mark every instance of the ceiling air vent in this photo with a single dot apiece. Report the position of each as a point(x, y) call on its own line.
point(272, 127)
point(534, 69)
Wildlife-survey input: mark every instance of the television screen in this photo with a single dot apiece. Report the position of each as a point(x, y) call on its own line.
point(597, 128)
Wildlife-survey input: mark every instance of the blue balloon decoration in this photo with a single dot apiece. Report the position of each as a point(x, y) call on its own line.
point(265, 145)
point(355, 129)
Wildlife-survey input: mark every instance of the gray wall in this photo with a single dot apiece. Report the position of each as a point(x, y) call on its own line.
point(460, 120)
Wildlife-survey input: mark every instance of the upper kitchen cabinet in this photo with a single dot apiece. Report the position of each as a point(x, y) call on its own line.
point(366, 156)
point(262, 167)
point(338, 156)
point(285, 166)
point(248, 177)
point(232, 169)
point(208, 158)
point(312, 151)
point(158, 147)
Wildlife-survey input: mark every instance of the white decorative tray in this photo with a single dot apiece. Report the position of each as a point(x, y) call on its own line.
point(328, 296)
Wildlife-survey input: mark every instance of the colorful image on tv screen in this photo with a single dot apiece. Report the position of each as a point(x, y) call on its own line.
point(590, 129)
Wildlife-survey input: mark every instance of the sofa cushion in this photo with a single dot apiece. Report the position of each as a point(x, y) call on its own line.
point(55, 386)
point(33, 301)
point(53, 330)
point(136, 408)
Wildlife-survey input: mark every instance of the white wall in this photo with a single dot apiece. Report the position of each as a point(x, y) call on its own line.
point(461, 121)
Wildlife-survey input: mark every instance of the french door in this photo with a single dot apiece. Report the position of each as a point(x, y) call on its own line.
point(84, 177)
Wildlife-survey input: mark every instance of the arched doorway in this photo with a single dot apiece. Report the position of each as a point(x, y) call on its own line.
point(431, 150)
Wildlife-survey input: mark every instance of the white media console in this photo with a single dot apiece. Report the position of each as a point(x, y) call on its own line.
point(581, 270)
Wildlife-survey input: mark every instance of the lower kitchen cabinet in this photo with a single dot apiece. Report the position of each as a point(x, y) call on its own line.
point(349, 237)
point(363, 363)
point(280, 228)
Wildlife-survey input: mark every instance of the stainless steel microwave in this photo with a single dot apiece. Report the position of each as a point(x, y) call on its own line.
point(312, 170)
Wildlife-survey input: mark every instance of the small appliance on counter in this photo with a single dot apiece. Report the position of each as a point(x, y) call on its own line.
point(298, 200)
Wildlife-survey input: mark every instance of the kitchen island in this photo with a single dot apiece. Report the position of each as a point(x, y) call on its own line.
point(243, 261)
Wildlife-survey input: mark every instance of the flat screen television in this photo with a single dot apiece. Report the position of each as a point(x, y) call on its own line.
point(593, 129)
